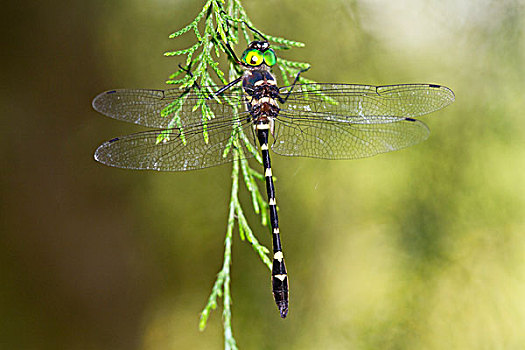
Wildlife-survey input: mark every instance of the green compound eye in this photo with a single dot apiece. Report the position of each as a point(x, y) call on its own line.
point(252, 57)
point(269, 57)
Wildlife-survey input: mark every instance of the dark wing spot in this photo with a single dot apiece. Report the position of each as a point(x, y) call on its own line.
point(113, 140)
point(434, 86)
point(410, 119)
point(111, 92)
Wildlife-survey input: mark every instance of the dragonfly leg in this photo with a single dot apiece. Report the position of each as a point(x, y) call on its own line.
point(283, 100)
point(246, 24)
point(188, 71)
point(224, 88)
point(216, 93)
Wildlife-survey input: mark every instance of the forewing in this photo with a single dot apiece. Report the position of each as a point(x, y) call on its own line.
point(348, 100)
point(163, 108)
point(165, 150)
point(320, 135)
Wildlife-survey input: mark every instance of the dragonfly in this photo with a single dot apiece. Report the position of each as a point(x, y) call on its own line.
point(318, 120)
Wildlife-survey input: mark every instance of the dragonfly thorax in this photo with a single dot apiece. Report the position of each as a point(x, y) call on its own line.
point(262, 95)
point(257, 78)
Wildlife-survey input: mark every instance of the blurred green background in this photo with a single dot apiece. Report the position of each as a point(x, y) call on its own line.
point(417, 249)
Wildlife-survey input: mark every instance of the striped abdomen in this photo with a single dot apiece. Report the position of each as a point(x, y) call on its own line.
point(279, 275)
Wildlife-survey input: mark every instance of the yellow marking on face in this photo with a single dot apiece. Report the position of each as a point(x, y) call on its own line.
point(280, 277)
point(259, 82)
point(272, 201)
point(264, 147)
point(278, 256)
point(271, 82)
point(268, 172)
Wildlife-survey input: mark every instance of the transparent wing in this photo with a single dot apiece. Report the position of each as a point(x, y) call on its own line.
point(320, 135)
point(165, 150)
point(405, 100)
point(151, 107)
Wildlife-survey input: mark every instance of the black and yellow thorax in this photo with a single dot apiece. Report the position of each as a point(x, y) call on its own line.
point(259, 85)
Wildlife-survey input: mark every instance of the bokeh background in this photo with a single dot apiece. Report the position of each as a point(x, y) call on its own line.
point(417, 249)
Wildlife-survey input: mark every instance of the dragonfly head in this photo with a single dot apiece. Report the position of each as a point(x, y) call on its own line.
point(257, 54)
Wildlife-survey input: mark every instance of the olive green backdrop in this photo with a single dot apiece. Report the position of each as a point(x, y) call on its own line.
point(417, 249)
